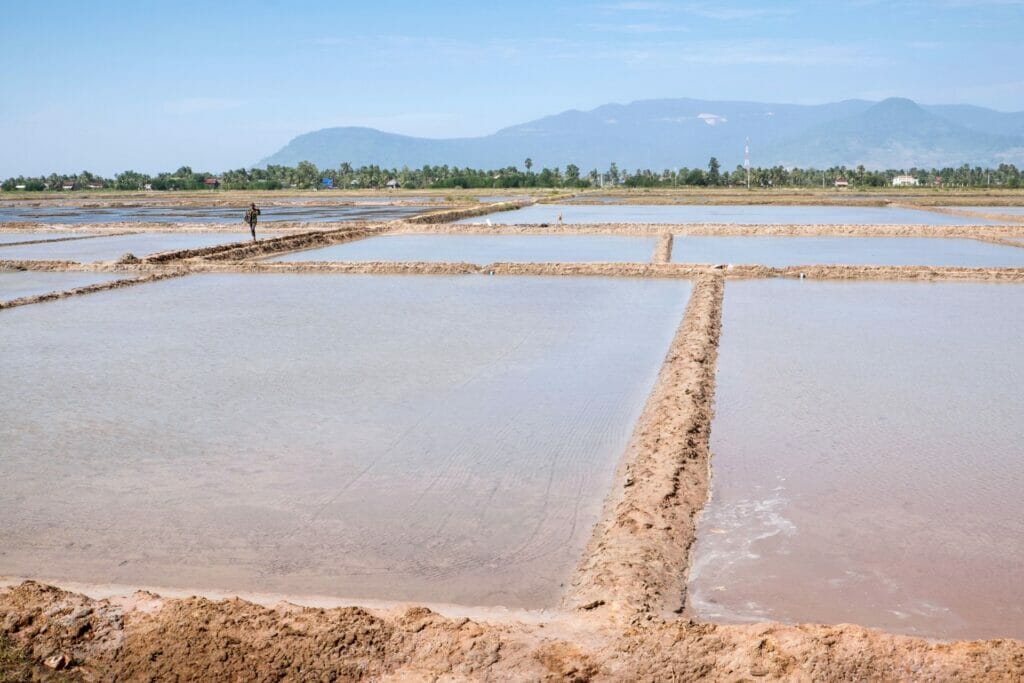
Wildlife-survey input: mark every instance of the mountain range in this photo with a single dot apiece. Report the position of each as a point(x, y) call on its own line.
point(673, 133)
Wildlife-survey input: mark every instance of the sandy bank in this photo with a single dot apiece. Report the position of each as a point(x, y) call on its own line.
point(635, 564)
point(146, 637)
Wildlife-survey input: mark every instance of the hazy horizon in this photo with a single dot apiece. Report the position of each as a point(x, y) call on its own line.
point(126, 86)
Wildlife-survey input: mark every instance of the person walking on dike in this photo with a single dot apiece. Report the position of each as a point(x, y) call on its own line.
point(251, 216)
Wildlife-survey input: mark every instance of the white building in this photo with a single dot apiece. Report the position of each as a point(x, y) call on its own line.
point(904, 181)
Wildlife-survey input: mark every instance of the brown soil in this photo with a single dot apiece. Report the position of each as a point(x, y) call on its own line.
point(61, 239)
point(663, 250)
point(247, 249)
point(635, 565)
point(145, 637)
point(618, 619)
point(988, 215)
point(450, 215)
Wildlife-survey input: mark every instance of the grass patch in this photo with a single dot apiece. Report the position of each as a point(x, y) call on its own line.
point(15, 664)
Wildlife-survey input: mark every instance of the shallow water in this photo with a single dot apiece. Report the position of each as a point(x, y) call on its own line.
point(113, 248)
point(12, 237)
point(484, 249)
point(882, 251)
point(866, 458)
point(1007, 210)
point(771, 215)
point(16, 284)
point(366, 209)
point(429, 439)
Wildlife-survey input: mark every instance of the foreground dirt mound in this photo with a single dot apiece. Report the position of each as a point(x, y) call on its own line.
point(71, 637)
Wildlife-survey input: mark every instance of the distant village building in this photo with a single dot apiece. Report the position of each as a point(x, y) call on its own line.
point(211, 183)
point(68, 185)
point(392, 184)
point(904, 181)
point(19, 187)
point(95, 185)
point(842, 182)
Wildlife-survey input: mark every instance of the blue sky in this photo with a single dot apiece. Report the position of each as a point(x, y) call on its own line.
point(111, 85)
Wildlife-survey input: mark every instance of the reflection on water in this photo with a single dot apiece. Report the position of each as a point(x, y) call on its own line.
point(866, 458)
point(484, 249)
point(883, 251)
point(429, 439)
point(16, 284)
point(695, 213)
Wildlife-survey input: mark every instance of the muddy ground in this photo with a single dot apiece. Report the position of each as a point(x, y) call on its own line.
point(618, 620)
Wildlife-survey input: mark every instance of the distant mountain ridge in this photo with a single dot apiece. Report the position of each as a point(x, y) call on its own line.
point(672, 133)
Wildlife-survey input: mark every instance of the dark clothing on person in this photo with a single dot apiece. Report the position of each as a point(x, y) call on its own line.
point(251, 216)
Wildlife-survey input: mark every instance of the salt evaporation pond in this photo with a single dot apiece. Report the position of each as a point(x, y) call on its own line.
point(431, 439)
point(707, 213)
point(19, 283)
point(1007, 210)
point(114, 247)
point(484, 249)
point(866, 459)
point(73, 215)
point(15, 237)
point(879, 251)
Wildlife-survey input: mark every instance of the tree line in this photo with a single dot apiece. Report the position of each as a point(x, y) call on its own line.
point(306, 175)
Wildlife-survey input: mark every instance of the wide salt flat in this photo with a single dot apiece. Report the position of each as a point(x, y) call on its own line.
point(484, 249)
point(866, 458)
point(882, 251)
point(709, 213)
point(114, 247)
point(17, 284)
point(431, 439)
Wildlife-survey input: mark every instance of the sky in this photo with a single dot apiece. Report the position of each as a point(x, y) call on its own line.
point(149, 86)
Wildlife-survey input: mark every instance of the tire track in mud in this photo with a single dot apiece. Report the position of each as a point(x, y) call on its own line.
point(635, 564)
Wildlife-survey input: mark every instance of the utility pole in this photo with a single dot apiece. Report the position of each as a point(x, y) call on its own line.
point(746, 160)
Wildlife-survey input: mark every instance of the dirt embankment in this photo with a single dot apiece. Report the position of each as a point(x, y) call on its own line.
point(58, 239)
point(338, 267)
point(926, 273)
point(89, 289)
point(663, 250)
point(267, 247)
point(145, 637)
point(635, 564)
point(450, 215)
point(720, 229)
point(967, 213)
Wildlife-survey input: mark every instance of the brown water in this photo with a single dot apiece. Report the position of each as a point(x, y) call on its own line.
point(16, 284)
point(867, 459)
point(114, 247)
point(484, 249)
point(431, 439)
